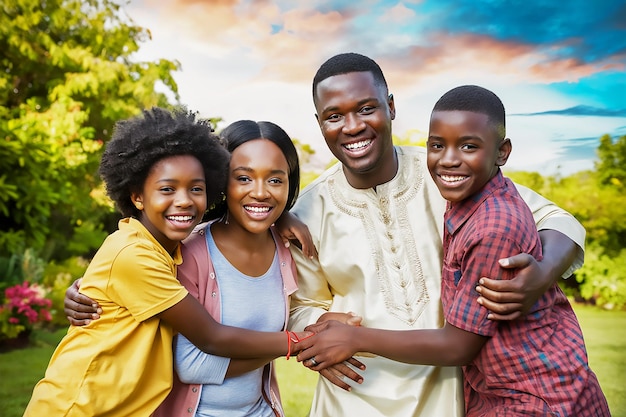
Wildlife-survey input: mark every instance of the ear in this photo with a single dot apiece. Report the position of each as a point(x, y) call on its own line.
point(137, 200)
point(504, 150)
point(392, 106)
point(317, 119)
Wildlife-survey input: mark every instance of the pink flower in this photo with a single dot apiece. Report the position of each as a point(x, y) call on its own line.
point(26, 305)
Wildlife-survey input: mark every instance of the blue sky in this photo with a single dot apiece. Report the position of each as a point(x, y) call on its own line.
point(559, 67)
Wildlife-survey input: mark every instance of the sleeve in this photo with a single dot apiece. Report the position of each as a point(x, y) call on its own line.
point(196, 367)
point(548, 216)
point(144, 281)
point(479, 259)
point(313, 297)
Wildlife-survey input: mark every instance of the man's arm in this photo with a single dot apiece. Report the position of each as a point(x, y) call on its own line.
point(563, 240)
point(511, 299)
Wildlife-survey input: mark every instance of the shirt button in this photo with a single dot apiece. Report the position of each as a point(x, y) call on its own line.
point(194, 389)
point(189, 410)
point(212, 275)
point(213, 294)
point(283, 263)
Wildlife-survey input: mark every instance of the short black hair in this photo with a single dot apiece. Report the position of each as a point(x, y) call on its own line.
point(140, 142)
point(346, 63)
point(475, 99)
point(242, 131)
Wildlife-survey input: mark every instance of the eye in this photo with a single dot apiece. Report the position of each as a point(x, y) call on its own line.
point(333, 117)
point(197, 189)
point(468, 147)
point(275, 181)
point(367, 109)
point(434, 145)
point(166, 189)
point(243, 178)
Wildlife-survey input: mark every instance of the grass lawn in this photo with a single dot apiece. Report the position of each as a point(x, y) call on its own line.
point(604, 335)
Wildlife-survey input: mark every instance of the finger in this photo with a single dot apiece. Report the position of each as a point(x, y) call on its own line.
point(344, 371)
point(518, 261)
point(82, 304)
point(75, 322)
point(499, 285)
point(500, 308)
point(356, 363)
point(500, 294)
point(78, 315)
point(504, 317)
point(335, 379)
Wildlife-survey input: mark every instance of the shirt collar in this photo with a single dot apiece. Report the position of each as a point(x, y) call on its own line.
point(458, 213)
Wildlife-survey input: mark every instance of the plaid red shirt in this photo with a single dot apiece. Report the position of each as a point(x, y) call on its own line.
point(536, 365)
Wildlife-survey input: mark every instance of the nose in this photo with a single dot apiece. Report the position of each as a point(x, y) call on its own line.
point(259, 190)
point(449, 157)
point(183, 199)
point(352, 124)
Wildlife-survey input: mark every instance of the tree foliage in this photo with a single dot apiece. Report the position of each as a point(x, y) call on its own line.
point(596, 198)
point(66, 75)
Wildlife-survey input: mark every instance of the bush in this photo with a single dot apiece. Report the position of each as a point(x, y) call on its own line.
point(603, 278)
point(58, 277)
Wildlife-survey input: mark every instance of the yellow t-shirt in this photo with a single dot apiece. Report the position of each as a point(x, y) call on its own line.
point(120, 364)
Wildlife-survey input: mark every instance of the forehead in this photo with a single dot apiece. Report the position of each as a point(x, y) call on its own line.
point(352, 86)
point(460, 120)
point(257, 152)
point(176, 165)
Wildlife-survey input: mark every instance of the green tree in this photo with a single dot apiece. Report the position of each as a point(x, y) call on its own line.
point(67, 74)
point(611, 166)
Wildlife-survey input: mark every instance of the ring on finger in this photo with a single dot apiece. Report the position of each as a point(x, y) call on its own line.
point(313, 361)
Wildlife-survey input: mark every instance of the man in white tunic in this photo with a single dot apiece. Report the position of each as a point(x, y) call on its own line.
point(376, 219)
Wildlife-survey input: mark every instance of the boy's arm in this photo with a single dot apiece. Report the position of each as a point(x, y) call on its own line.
point(511, 299)
point(335, 342)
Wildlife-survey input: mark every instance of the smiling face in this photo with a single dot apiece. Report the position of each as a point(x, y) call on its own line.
point(258, 186)
point(173, 199)
point(464, 152)
point(355, 114)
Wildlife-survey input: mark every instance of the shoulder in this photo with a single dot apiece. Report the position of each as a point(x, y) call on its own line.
point(503, 213)
point(313, 196)
point(196, 242)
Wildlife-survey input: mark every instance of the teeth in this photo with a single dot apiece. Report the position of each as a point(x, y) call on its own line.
point(449, 178)
point(180, 218)
point(258, 209)
point(358, 145)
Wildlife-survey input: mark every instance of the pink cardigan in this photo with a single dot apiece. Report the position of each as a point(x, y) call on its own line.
point(184, 398)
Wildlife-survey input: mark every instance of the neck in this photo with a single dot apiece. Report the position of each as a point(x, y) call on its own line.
point(385, 171)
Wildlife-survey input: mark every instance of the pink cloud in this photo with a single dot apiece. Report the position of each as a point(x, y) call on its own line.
point(479, 56)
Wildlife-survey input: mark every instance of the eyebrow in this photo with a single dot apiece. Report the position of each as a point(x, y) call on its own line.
point(248, 169)
point(359, 104)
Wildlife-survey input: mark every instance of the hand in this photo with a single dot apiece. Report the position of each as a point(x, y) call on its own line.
point(290, 228)
point(511, 299)
point(337, 374)
point(346, 318)
point(79, 309)
point(332, 344)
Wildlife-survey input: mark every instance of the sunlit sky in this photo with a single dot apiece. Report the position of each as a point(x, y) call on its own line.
point(559, 67)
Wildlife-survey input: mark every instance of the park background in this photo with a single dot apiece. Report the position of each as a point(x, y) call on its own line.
point(70, 69)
